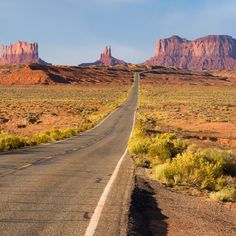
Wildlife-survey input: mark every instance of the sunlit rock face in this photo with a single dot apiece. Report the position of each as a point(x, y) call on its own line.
point(214, 52)
point(106, 59)
point(20, 53)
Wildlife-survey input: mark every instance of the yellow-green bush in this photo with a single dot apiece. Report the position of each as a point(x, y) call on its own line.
point(226, 194)
point(158, 148)
point(42, 137)
point(9, 142)
point(226, 159)
point(174, 162)
point(139, 146)
point(53, 135)
point(166, 146)
point(139, 143)
point(191, 169)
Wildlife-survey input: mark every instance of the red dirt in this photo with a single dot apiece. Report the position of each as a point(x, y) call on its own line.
point(36, 74)
point(174, 76)
point(156, 210)
point(48, 75)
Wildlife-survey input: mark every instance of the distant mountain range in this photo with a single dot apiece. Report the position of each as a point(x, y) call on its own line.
point(213, 52)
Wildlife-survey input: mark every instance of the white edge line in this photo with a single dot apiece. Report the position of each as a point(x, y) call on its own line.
point(103, 120)
point(97, 125)
point(98, 210)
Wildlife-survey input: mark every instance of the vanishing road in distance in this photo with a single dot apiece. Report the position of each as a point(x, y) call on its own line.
point(54, 189)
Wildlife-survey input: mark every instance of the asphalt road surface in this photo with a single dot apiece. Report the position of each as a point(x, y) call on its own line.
point(54, 189)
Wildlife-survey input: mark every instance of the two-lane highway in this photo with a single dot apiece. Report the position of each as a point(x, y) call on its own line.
point(54, 189)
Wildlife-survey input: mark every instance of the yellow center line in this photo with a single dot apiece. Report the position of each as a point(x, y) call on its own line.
point(7, 173)
point(24, 166)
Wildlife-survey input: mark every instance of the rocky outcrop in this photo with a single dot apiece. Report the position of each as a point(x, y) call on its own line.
point(214, 52)
point(20, 53)
point(106, 59)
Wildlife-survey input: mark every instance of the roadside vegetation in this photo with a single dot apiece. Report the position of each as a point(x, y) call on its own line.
point(198, 111)
point(177, 162)
point(33, 115)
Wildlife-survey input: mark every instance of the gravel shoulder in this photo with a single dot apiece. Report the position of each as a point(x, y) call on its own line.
point(156, 210)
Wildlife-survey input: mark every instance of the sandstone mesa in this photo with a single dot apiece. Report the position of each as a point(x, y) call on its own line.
point(213, 52)
point(20, 53)
point(106, 59)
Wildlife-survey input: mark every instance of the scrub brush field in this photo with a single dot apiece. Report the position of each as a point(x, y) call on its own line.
point(38, 114)
point(185, 138)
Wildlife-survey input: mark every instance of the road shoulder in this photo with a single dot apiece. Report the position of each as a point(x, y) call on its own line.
point(114, 217)
point(161, 211)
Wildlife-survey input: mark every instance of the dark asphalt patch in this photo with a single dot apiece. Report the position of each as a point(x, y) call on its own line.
point(98, 180)
point(86, 215)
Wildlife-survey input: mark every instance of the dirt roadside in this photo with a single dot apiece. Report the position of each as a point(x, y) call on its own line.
point(156, 210)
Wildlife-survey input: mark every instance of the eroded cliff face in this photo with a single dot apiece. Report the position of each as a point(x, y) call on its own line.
point(214, 52)
point(106, 59)
point(20, 53)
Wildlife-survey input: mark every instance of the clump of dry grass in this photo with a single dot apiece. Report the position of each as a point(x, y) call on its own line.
point(225, 195)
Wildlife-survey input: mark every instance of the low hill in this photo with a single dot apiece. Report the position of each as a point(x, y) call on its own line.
point(175, 76)
point(36, 74)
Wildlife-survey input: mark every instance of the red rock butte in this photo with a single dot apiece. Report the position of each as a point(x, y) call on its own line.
point(106, 59)
point(20, 53)
point(213, 52)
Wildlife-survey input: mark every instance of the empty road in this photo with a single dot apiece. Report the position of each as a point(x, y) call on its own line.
point(54, 189)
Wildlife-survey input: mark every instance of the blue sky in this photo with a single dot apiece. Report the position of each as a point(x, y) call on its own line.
point(76, 31)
